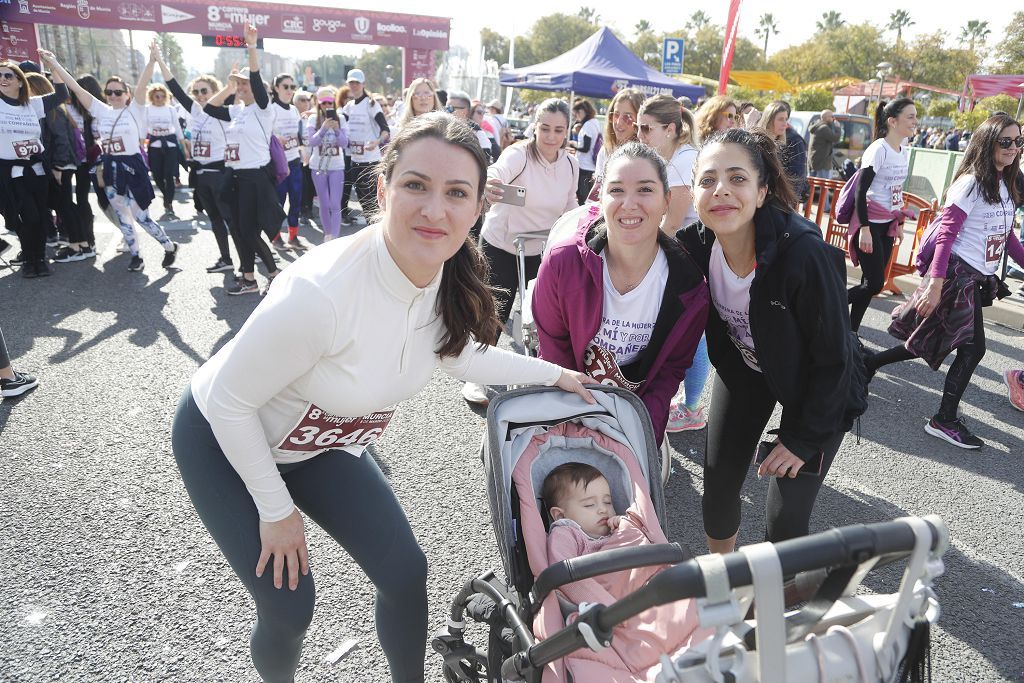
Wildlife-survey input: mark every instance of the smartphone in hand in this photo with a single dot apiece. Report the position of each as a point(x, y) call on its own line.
point(811, 468)
point(514, 195)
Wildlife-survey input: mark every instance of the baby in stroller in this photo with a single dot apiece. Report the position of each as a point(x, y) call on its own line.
point(579, 502)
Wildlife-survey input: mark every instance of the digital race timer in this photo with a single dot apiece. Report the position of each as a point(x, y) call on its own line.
point(222, 40)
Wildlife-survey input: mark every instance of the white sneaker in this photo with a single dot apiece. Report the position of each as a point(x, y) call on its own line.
point(123, 247)
point(475, 393)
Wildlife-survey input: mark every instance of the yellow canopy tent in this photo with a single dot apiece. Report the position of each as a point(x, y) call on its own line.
point(761, 80)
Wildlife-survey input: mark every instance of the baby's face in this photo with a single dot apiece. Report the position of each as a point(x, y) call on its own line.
point(590, 506)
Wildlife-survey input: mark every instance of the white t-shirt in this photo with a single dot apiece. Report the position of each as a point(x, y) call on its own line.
point(209, 136)
point(161, 121)
point(680, 174)
point(350, 336)
point(627, 320)
point(328, 155)
point(731, 296)
point(590, 129)
point(20, 133)
point(982, 237)
point(891, 170)
point(362, 127)
point(248, 136)
point(119, 131)
point(286, 128)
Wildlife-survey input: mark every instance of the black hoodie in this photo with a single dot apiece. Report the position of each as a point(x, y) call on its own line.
point(800, 322)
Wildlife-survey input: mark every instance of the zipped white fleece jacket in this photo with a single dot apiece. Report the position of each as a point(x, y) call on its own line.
point(342, 330)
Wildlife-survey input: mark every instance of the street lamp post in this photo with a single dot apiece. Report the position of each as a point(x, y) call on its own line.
point(884, 69)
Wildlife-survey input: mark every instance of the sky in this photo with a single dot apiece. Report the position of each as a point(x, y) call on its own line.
point(796, 23)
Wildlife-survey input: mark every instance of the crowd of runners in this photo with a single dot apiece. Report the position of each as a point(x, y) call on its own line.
point(687, 254)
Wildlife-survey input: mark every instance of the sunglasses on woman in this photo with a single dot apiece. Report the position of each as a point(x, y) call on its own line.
point(628, 118)
point(200, 91)
point(1006, 143)
point(646, 128)
point(8, 76)
point(289, 87)
point(113, 93)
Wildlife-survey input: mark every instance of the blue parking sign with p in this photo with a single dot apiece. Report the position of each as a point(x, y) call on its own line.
point(672, 56)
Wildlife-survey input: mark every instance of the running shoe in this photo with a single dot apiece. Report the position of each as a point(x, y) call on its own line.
point(4, 246)
point(682, 419)
point(954, 432)
point(169, 256)
point(346, 218)
point(123, 248)
point(69, 254)
point(296, 243)
point(270, 281)
point(88, 252)
point(221, 266)
point(28, 269)
point(52, 241)
point(475, 393)
point(22, 382)
point(19, 259)
point(278, 243)
point(1015, 383)
point(43, 268)
point(242, 286)
point(136, 264)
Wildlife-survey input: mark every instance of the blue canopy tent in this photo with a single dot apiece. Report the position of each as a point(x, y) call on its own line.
point(600, 66)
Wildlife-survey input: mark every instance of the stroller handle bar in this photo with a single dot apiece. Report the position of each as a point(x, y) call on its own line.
point(603, 562)
point(846, 546)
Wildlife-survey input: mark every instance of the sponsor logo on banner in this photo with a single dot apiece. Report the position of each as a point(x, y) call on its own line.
point(172, 15)
point(430, 33)
point(227, 17)
point(294, 23)
point(133, 11)
point(83, 9)
point(390, 28)
point(23, 6)
point(362, 25)
point(329, 25)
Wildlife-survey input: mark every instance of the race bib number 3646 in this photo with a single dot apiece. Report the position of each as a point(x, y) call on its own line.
point(317, 430)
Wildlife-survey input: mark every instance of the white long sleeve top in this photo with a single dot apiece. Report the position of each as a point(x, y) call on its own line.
point(344, 332)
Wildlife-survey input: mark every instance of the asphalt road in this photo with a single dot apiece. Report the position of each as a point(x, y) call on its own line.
point(107, 574)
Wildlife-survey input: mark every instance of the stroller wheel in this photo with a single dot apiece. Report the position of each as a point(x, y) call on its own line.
point(666, 461)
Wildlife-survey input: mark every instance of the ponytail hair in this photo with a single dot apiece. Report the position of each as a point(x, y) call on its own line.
point(886, 111)
point(764, 155)
point(465, 301)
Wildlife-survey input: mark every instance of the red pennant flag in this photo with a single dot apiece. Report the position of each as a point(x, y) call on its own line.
point(729, 46)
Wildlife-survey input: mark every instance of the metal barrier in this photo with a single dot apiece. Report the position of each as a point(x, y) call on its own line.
point(824, 194)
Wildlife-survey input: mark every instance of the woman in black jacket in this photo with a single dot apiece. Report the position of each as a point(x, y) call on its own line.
point(792, 148)
point(778, 332)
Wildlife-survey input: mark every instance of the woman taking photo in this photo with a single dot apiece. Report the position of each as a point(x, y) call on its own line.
point(717, 114)
point(961, 259)
point(621, 300)
point(208, 143)
point(286, 128)
point(777, 333)
point(667, 127)
point(327, 162)
point(23, 182)
point(550, 176)
point(120, 126)
point(877, 224)
point(420, 98)
point(792, 148)
point(619, 128)
point(354, 328)
point(247, 193)
point(586, 145)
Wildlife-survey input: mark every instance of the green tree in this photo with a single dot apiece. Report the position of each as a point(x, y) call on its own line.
point(970, 119)
point(643, 26)
point(812, 99)
point(380, 65)
point(899, 20)
point(698, 20)
point(704, 53)
point(999, 103)
point(554, 34)
point(766, 27)
point(823, 57)
point(172, 54)
point(941, 108)
point(495, 45)
point(647, 47)
point(589, 15)
point(1009, 54)
point(928, 60)
point(974, 32)
point(830, 21)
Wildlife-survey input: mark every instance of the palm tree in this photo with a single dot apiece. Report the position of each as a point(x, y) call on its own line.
point(766, 28)
point(899, 20)
point(830, 21)
point(974, 31)
point(589, 15)
point(698, 20)
point(643, 26)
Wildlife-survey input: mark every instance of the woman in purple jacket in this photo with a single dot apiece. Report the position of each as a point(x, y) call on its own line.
point(622, 301)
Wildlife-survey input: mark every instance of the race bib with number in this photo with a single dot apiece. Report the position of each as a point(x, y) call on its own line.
point(161, 132)
point(600, 363)
point(23, 149)
point(994, 245)
point(897, 196)
point(231, 153)
point(330, 151)
point(317, 430)
point(201, 150)
point(113, 146)
point(290, 142)
point(355, 147)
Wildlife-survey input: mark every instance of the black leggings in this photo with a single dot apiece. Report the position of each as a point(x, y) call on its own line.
point(872, 268)
point(968, 356)
point(736, 420)
point(364, 180)
point(346, 496)
point(69, 214)
point(583, 186)
point(83, 183)
point(5, 356)
point(163, 162)
point(206, 191)
point(504, 275)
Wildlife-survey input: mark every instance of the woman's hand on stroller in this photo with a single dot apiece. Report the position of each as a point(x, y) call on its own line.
point(573, 381)
point(286, 541)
